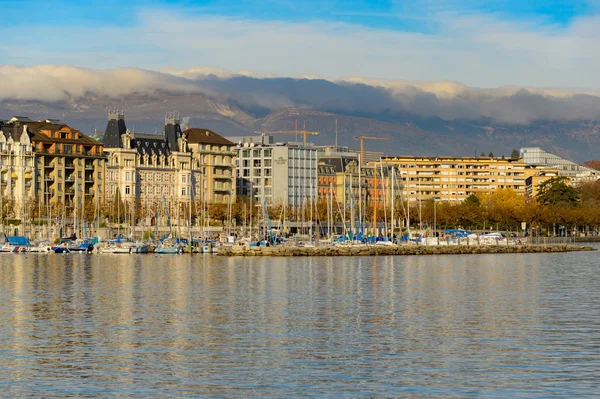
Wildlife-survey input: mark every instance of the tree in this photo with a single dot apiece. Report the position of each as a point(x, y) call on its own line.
point(482, 154)
point(556, 191)
point(590, 192)
point(515, 154)
point(473, 199)
point(491, 155)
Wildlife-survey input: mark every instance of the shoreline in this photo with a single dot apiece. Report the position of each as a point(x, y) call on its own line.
point(374, 250)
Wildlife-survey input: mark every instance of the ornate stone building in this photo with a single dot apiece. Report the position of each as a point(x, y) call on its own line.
point(17, 174)
point(149, 167)
point(48, 162)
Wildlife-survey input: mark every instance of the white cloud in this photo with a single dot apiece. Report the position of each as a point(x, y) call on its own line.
point(61, 83)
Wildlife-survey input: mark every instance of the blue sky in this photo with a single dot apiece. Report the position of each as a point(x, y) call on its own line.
point(483, 43)
point(399, 15)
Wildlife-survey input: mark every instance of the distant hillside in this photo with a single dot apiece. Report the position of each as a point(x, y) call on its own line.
point(241, 106)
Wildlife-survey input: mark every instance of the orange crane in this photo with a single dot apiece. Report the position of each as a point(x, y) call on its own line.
point(362, 144)
point(302, 132)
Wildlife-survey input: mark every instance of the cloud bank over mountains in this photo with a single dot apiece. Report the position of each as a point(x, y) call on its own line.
point(260, 94)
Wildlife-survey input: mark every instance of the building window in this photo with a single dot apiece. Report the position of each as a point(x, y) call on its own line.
point(127, 190)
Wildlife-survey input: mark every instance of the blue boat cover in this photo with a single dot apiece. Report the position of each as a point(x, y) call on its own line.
point(18, 240)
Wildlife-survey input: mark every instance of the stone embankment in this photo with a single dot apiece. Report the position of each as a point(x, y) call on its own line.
point(372, 250)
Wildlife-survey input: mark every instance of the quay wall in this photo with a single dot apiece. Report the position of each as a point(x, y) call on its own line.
point(371, 250)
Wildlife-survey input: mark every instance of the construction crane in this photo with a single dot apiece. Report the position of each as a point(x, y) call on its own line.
point(362, 144)
point(302, 132)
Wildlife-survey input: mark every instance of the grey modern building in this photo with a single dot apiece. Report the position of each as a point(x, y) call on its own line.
point(535, 156)
point(280, 173)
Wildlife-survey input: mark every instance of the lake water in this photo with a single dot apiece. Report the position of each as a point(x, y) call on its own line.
point(146, 326)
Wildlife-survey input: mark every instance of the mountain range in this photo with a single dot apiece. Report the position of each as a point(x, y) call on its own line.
point(417, 120)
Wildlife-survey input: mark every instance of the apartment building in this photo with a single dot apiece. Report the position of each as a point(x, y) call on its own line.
point(17, 168)
point(216, 159)
point(50, 162)
point(536, 175)
point(454, 179)
point(152, 167)
point(284, 173)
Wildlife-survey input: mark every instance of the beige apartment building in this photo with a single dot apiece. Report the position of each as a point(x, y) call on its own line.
point(216, 160)
point(48, 162)
point(455, 178)
point(536, 175)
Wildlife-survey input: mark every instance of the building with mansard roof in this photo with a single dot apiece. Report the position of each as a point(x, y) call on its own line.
point(44, 163)
point(149, 168)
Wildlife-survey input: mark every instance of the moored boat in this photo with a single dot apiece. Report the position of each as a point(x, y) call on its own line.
point(168, 249)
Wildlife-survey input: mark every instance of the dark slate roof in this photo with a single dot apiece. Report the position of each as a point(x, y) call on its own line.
point(172, 134)
point(326, 169)
point(340, 162)
point(205, 136)
point(112, 135)
point(151, 144)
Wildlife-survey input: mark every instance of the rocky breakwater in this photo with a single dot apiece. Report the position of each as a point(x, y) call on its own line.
point(372, 250)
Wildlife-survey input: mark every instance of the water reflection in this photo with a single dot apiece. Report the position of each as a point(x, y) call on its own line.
point(158, 326)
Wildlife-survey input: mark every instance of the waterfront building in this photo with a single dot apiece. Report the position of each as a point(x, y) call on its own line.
point(536, 175)
point(454, 179)
point(154, 168)
point(48, 162)
point(216, 159)
point(280, 173)
point(326, 174)
point(331, 151)
point(535, 156)
point(348, 185)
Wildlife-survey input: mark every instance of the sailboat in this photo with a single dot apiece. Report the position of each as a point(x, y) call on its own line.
point(167, 246)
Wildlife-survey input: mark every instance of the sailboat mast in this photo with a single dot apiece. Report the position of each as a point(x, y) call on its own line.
point(375, 200)
point(393, 201)
point(384, 188)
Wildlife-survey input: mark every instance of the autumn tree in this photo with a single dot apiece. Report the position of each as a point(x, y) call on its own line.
point(556, 191)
